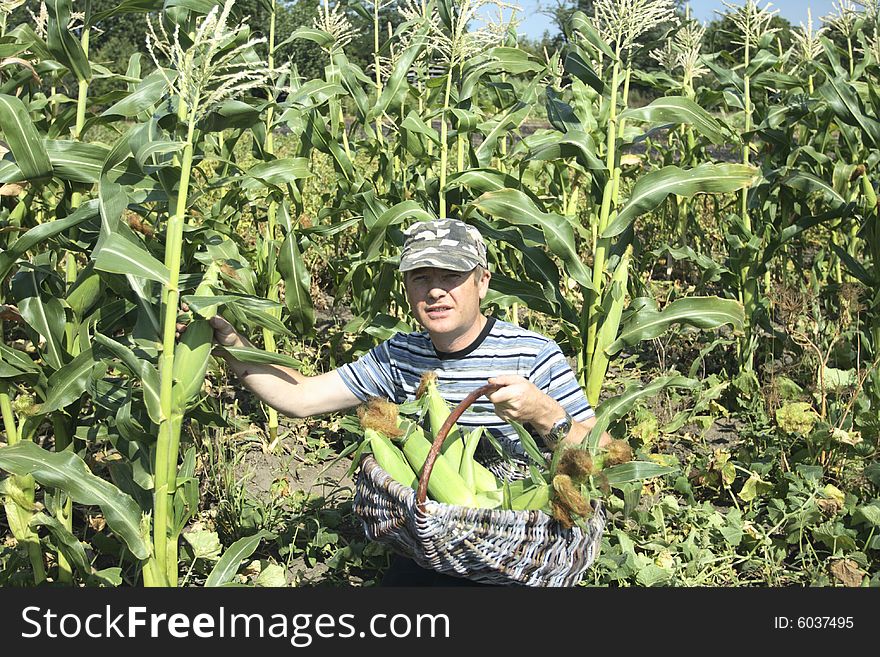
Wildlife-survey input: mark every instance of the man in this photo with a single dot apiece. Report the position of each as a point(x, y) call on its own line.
point(446, 276)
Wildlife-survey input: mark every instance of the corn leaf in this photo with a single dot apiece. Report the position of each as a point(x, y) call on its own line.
point(575, 144)
point(77, 162)
point(150, 149)
point(844, 101)
point(24, 141)
point(504, 59)
point(277, 172)
point(516, 208)
point(579, 22)
point(149, 92)
point(254, 355)
point(614, 408)
point(313, 94)
point(46, 317)
point(297, 280)
point(63, 45)
point(227, 566)
point(120, 256)
point(653, 188)
point(807, 183)
point(142, 369)
point(682, 111)
point(701, 312)
point(354, 79)
point(612, 308)
point(505, 291)
point(634, 471)
point(484, 180)
point(68, 472)
point(199, 303)
point(67, 384)
point(17, 361)
point(68, 544)
point(498, 127)
point(560, 114)
point(856, 268)
point(396, 85)
point(528, 442)
point(577, 66)
point(317, 136)
point(186, 497)
point(463, 120)
point(43, 315)
point(541, 269)
point(413, 123)
point(375, 239)
point(321, 37)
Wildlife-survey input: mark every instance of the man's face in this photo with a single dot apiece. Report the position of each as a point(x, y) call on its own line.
point(445, 302)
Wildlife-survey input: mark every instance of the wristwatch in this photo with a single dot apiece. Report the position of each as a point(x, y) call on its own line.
point(560, 429)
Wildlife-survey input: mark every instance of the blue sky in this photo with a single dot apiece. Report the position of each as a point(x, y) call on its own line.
point(795, 11)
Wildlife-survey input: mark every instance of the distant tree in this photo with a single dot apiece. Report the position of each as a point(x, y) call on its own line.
point(560, 13)
point(721, 34)
point(306, 57)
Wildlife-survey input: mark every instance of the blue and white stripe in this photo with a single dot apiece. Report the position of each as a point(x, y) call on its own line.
point(393, 370)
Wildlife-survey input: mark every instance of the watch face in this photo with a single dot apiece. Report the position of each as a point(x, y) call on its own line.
point(561, 428)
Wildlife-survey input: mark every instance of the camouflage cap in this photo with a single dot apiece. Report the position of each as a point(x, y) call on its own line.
point(444, 243)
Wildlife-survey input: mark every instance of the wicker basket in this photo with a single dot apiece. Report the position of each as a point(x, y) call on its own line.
point(484, 545)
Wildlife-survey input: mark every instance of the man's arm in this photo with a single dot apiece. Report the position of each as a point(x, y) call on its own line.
point(519, 399)
point(283, 388)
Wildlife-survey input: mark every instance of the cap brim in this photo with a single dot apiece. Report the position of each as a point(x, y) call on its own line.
point(450, 262)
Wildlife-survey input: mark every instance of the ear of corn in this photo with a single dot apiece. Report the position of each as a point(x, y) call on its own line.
point(390, 459)
point(869, 193)
point(491, 500)
point(191, 361)
point(401, 448)
point(438, 411)
point(445, 484)
point(536, 496)
point(484, 480)
point(205, 288)
point(466, 469)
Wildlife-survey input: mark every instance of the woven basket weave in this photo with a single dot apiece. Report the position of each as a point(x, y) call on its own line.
point(484, 545)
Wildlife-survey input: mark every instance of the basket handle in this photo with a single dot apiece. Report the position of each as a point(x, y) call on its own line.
point(487, 389)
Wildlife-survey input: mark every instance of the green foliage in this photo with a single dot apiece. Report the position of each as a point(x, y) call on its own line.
point(796, 417)
point(741, 203)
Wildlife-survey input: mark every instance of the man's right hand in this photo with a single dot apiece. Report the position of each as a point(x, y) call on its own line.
point(283, 388)
point(225, 334)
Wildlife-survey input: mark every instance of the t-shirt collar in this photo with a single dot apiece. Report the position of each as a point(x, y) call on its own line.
point(473, 346)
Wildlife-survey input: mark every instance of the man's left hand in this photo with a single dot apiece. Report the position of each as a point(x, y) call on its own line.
point(519, 399)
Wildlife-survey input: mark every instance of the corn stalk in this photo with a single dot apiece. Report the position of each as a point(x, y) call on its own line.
point(273, 278)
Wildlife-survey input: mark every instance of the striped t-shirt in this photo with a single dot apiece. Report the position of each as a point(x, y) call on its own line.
point(393, 369)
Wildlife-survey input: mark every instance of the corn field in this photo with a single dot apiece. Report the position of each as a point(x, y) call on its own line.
point(709, 261)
